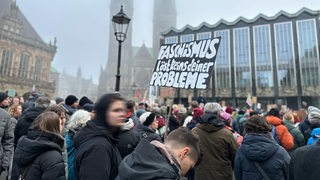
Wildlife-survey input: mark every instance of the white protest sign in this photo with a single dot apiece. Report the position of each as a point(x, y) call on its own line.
point(186, 65)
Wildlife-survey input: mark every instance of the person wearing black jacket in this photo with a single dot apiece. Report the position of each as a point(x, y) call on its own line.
point(154, 160)
point(305, 163)
point(97, 156)
point(29, 116)
point(38, 154)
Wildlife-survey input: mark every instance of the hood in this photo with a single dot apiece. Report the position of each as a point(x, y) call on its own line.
point(209, 127)
point(258, 147)
point(146, 161)
point(274, 120)
point(90, 131)
point(31, 114)
point(210, 118)
point(141, 127)
point(34, 144)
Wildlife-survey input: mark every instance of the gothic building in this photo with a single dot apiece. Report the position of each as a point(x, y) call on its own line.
point(137, 63)
point(25, 59)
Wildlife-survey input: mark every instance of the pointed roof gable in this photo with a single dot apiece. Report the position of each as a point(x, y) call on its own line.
point(6, 6)
point(143, 53)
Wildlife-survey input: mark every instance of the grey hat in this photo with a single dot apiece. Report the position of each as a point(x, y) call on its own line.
point(212, 108)
point(314, 115)
point(43, 102)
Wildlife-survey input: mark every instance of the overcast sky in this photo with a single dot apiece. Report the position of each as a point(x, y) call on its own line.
point(82, 26)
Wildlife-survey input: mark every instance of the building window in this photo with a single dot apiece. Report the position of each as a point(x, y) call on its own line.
point(308, 52)
point(204, 35)
point(242, 58)
point(222, 64)
point(285, 55)
point(24, 64)
point(262, 56)
point(186, 38)
point(38, 69)
point(6, 62)
point(171, 40)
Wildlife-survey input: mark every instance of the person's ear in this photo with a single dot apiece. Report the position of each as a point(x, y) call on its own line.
point(184, 152)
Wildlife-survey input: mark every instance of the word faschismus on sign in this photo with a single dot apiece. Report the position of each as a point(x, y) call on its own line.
point(186, 65)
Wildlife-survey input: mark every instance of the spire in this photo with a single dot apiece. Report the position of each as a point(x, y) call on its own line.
point(79, 72)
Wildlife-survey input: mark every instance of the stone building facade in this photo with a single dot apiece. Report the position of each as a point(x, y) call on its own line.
point(25, 59)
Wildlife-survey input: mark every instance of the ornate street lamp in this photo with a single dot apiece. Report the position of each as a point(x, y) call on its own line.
point(120, 23)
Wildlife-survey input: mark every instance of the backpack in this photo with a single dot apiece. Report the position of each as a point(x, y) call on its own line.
point(236, 136)
point(275, 135)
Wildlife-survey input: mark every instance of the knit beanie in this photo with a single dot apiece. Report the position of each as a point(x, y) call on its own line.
point(147, 118)
point(70, 100)
point(314, 115)
point(225, 117)
point(3, 96)
point(85, 100)
point(197, 112)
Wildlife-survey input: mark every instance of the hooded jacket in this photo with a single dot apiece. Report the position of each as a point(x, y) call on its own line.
point(298, 137)
point(25, 122)
point(218, 147)
point(147, 133)
point(305, 163)
point(42, 152)
point(97, 156)
point(285, 138)
point(146, 162)
point(261, 148)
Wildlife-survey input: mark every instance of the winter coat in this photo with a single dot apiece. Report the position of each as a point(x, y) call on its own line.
point(173, 123)
point(261, 148)
point(7, 125)
point(147, 133)
point(25, 122)
point(285, 138)
point(314, 136)
point(305, 163)
point(296, 134)
point(71, 151)
point(218, 147)
point(146, 162)
point(128, 140)
point(97, 156)
point(42, 151)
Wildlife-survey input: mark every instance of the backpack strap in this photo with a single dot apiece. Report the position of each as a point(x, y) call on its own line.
point(262, 172)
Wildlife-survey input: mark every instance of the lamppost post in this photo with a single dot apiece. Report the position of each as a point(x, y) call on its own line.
point(118, 75)
point(120, 23)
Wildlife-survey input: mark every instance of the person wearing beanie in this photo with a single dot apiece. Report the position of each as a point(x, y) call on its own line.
point(197, 112)
point(71, 104)
point(226, 119)
point(162, 124)
point(97, 156)
point(90, 108)
point(148, 126)
point(28, 116)
point(313, 121)
point(4, 100)
point(285, 138)
point(84, 100)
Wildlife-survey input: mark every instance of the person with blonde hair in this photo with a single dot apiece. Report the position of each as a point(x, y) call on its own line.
point(76, 122)
point(38, 154)
point(15, 111)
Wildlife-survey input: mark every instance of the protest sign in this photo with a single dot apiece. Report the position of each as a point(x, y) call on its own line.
point(186, 65)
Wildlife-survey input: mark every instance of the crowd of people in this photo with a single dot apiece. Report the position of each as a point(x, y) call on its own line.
point(115, 138)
